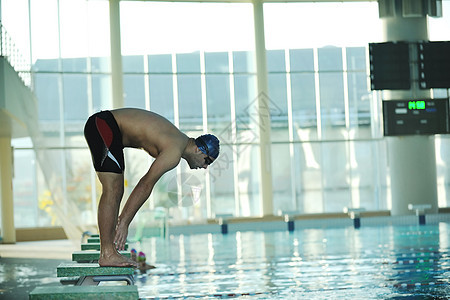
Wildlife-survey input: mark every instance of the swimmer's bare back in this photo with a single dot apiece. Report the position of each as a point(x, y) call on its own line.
point(149, 131)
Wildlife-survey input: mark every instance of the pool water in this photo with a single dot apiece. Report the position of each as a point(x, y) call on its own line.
point(387, 262)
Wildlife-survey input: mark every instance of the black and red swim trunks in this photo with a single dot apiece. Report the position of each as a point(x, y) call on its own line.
point(105, 142)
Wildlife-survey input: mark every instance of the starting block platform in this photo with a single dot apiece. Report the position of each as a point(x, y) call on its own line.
point(82, 279)
point(94, 246)
point(93, 240)
point(90, 256)
point(125, 292)
point(93, 274)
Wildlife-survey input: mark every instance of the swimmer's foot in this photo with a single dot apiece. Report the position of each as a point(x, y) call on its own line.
point(116, 260)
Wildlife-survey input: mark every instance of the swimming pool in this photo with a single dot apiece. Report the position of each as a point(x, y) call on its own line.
point(387, 262)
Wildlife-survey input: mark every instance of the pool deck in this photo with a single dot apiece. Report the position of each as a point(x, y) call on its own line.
point(57, 249)
point(26, 265)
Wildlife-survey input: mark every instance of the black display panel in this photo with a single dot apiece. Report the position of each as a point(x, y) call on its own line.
point(415, 117)
point(434, 64)
point(389, 66)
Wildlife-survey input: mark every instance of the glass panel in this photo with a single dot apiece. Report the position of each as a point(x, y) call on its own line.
point(75, 108)
point(46, 65)
point(78, 187)
point(248, 181)
point(161, 95)
point(47, 93)
point(74, 64)
point(335, 172)
point(190, 102)
point(24, 191)
point(283, 200)
point(278, 107)
point(359, 103)
point(301, 60)
point(189, 91)
point(75, 103)
point(160, 63)
point(308, 177)
point(363, 160)
point(52, 208)
point(359, 94)
point(188, 63)
point(332, 109)
point(219, 123)
point(330, 59)
point(216, 62)
point(218, 102)
point(133, 64)
point(222, 182)
point(356, 58)
point(245, 97)
point(244, 62)
point(276, 61)
point(100, 64)
point(134, 91)
point(304, 106)
point(101, 92)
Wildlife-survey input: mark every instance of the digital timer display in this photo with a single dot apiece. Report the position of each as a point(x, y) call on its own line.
point(416, 104)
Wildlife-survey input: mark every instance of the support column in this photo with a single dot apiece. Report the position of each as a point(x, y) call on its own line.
point(412, 159)
point(263, 110)
point(116, 54)
point(8, 229)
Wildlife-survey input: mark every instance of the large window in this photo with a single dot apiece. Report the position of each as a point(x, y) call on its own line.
point(321, 116)
point(194, 63)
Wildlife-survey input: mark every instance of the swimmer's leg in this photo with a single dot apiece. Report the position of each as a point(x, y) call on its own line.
point(108, 211)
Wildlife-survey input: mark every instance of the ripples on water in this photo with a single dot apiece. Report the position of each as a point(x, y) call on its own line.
point(369, 263)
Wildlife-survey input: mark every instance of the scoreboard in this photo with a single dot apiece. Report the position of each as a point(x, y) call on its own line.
point(415, 117)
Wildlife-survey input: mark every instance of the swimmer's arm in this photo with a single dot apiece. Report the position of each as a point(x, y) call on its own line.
point(163, 163)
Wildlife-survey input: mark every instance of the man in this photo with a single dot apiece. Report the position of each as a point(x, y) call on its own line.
point(107, 133)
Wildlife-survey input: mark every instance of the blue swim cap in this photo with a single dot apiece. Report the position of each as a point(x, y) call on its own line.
point(208, 144)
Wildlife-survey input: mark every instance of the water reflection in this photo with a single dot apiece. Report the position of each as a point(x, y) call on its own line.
point(18, 276)
point(370, 263)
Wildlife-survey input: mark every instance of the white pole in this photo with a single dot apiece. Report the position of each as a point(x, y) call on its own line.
point(116, 54)
point(263, 110)
point(412, 159)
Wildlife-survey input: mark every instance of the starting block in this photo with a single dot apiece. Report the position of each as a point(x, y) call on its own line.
point(93, 240)
point(93, 274)
point(90, 256)
point(420, 211)
point(95, 246)
point(222, 219)
point(355, 215)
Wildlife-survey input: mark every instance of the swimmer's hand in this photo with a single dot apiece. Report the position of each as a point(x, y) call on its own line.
point(121, 235)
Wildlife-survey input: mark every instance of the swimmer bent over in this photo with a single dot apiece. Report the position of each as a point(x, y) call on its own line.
point(107, 134)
